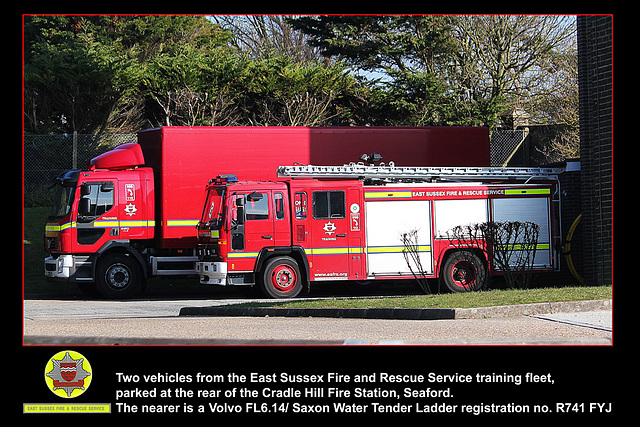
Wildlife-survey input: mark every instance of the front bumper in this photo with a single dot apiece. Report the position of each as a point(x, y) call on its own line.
point(69, 268)
point(212, 273)
point(59, 268)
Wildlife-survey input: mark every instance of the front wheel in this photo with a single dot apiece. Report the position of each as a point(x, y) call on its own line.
point(118, 276)
point(463, 271)
point(281, 278)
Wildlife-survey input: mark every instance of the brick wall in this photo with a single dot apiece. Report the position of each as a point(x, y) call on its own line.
point(570, 187)
point(595, 89)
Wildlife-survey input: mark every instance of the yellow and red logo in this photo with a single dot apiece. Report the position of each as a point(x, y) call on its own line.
point(68, 374)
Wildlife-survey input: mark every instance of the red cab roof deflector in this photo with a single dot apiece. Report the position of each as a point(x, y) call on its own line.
point(122, 157)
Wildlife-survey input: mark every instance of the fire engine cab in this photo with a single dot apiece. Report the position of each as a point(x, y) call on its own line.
point(321, 223)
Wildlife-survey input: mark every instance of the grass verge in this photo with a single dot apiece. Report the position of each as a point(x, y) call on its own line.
point(462, 300)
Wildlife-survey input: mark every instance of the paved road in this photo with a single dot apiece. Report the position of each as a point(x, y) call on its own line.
point(158, 322)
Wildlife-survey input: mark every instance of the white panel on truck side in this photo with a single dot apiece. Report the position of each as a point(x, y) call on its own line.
point(386, 222)
point(533, 209)
point(452, 213)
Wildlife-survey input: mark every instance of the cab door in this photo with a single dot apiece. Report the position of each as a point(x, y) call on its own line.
point(329, 234)
point(97, 218)
point(252, 228)
point(355, 212)
point(282, 222)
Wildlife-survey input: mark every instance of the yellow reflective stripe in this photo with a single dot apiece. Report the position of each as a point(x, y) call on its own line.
point(519, 247)
point(101, 224)
point(242, 254)
point(137, 223)
point(359, 250)
point(182, 222)
point(52, 228)
point(333, 251)
point(57, 228)
point(527, 191)
point(327, 251)
point(125, 223)
point(387, 194)
point(395, 249)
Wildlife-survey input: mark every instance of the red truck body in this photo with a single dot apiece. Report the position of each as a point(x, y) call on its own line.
point(284, 235)
point(133, 213)
point(184, 159)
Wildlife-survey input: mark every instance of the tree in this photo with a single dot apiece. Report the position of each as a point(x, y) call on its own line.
point(69, 76)
point(413, 53)
point(95, 73)
point(392, 44)
point(411, 254)
point(184, 67)
point(446, 70)
point(124, 73)
point(506, 55)
point(281, 92)
point(510, 246)
point(182, 87)
point(263, 36)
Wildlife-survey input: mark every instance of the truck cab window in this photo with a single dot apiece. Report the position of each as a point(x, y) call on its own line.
point(278, 201)
point(300, 201)
point(62, 202)
point(328, 204)
point(100, 197)
point(257, 208)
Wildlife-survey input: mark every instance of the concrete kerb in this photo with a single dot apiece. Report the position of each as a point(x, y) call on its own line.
point(403, 313)
point(347, 313)
point(533, 309)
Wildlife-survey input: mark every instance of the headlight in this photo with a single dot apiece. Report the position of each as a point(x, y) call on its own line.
point(60, 264)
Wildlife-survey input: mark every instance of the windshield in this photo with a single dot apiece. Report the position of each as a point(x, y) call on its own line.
point(213, 209)
point(62, 202)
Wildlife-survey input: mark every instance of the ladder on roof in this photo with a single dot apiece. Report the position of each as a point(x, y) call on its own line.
point(391, 172)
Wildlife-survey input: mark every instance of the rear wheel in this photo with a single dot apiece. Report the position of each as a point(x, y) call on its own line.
point(463, 271)
point(281, 278)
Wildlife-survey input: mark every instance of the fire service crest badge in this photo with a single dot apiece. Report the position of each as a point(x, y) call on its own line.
point(68, 374)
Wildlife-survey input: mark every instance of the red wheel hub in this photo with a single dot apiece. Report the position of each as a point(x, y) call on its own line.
point(283, 278)
point(463, 274)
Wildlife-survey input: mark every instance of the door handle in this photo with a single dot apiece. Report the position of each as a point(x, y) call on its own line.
point(266, 237)
point(341, 235)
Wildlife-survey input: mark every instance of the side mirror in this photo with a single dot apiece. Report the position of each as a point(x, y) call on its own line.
point(254, 197)
point(239, 208)
point(85, 189)
point(106, 187)
point(84, 206)
point(241, 214)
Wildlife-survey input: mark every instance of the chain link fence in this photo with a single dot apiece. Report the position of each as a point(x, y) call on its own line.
point(47, 156)
point(504, 145)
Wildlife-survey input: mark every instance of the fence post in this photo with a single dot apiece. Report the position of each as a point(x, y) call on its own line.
point(75, 150)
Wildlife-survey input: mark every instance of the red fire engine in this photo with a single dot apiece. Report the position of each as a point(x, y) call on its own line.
point(326, 223)
point(132, 214)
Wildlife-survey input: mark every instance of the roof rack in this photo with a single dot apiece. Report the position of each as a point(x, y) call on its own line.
point(391, 172)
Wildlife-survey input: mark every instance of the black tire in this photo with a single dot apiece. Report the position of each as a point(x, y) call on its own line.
point(118, 276)
point(281, 278)
point(463, 271)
